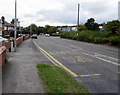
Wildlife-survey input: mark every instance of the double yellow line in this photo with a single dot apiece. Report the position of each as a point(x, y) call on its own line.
point(60, 64)
point(64, 67)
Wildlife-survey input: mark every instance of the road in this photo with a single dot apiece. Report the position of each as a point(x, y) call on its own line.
point(95, 66)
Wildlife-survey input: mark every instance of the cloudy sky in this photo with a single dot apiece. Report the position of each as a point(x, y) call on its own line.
point(59, 12)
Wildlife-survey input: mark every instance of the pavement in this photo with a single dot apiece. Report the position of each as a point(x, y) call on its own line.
point(95, 66)
point(20, 73)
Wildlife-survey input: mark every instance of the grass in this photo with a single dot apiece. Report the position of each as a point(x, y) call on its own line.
point(55, 34)
point(56, 80)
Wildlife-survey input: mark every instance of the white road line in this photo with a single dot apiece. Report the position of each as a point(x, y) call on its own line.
point(102, 59)
point(101, 55)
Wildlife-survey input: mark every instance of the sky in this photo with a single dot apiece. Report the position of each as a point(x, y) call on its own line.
point(59, 12)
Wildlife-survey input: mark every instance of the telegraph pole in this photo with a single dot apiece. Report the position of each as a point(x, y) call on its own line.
point(30, 29)
point(15, 26)
point(78, 17)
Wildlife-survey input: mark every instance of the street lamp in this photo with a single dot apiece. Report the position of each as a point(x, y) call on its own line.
point(78, 17)
point(15, 26)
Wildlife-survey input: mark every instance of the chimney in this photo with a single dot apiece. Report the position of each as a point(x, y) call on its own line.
point(12, 22)
point(3, 19)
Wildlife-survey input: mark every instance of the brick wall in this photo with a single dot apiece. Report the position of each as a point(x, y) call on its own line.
point(2, 56)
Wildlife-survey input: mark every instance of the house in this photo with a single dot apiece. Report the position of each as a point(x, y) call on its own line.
point(8, 28)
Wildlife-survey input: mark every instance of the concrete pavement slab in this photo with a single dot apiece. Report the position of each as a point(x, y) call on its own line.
point(20, 73)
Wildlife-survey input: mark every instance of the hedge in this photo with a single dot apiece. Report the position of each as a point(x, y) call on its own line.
point(97, 37)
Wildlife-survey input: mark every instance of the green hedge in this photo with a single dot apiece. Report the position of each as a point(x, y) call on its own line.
point(115, 40)
point(97, 37)
point(55, 34)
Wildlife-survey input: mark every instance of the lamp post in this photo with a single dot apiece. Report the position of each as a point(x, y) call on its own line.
point(15, 26)
point(78, 17)
point(119, 10)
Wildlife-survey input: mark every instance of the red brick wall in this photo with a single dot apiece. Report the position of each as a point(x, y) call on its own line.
point(2, 56)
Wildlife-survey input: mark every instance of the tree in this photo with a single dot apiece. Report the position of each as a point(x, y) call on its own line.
point(40, 30)
point(25, 30)
point(91, 25)
point(52, 29)
point(33, 28)
point(47, 28)
point(113, 26)
point(82, 27)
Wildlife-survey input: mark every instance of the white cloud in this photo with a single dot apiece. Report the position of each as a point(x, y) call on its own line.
point(59, 12)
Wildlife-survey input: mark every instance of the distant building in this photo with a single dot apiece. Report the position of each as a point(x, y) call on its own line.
point(67, 28)
point(119, 10)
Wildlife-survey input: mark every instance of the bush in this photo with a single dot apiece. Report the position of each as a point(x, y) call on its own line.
point(93, 36)
point(69, 35)
point(63, 35)
point(115, 40)
point(105, 40)
point(97, 40)
point(80, 37)
point(105, 34)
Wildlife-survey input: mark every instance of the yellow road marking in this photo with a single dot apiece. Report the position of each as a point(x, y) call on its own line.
point(64, 67)
point(89, 75)
point(79, 59)
point(118, 72)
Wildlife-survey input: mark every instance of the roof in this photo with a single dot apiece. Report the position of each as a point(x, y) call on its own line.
point(7, 24)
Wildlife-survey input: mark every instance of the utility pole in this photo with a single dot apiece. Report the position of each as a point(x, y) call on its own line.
point(78, 17)
point(119, 10)
point(15, 26)
point(30, 29)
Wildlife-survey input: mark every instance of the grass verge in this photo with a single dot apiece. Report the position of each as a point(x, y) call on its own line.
point(56, 80)
point(55, 34)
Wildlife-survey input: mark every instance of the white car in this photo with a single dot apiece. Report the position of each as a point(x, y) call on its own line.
point(3, 39)
point(47, 35)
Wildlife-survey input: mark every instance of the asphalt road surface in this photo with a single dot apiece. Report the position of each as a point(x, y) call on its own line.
point(95, 66)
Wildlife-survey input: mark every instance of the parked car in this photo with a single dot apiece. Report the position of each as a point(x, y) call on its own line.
point(3, 39)
point(19, 35)
point(48, 35)
point(5, 42)
point(34, 36)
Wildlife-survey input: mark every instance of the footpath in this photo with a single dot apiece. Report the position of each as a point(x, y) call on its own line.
point(20, 73)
